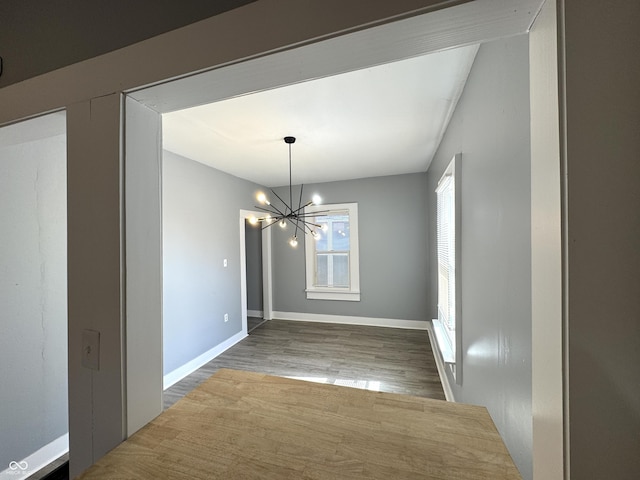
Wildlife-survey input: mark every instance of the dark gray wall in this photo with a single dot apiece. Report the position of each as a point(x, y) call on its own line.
point(393, 255)
point(35, 39)
point(490, 127)
point(603, 234)
point(253, 247)
point(201, 227)
point(33, 294)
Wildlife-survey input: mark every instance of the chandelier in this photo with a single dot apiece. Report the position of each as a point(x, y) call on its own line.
point(286, 213)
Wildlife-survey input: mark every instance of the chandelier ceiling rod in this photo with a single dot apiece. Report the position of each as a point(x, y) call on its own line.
point(289, 141)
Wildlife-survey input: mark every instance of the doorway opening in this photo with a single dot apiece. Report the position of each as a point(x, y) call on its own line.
point(255, 266)
point(229, 88)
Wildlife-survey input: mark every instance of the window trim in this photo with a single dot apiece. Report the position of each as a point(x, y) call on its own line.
point(453, 350)
point(351, 293)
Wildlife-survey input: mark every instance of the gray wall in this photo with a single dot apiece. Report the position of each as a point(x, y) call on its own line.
point(490, 127)
point(201, 227)
point(33, 294)
point(35, 44)
point(253, 247)
point(603, 234)
point(393, 255)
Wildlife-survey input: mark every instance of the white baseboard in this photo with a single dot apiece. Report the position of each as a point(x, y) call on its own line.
point(179, 373)
point(37, 460)
point(255, 313)
point(442, 373)
point(368, 321)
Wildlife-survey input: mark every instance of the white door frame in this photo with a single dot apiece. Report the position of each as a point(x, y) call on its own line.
point(267, 297)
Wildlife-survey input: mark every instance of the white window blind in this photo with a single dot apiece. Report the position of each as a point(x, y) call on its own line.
point(446, 253)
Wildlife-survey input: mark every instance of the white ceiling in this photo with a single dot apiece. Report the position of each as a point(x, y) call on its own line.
point(382, 120)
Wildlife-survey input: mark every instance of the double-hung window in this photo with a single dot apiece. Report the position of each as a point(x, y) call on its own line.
point(332, 269)
point(448, 253)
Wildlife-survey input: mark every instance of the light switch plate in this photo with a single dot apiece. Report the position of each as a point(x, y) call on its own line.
point(91, 349)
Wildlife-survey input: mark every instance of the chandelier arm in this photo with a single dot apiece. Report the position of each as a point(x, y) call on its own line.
point(302, 207)
point(267, 209)
point(313, 214)
point(275, 210)
point(270, 220)
point(295, 234)
point(310, 214)
point(300, 200)
point(283, 202)
point(271, 224)
point(306, 224)
point(303, 218)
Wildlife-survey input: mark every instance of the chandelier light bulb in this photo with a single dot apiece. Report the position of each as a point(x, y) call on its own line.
point(261, 197)
point(316, 199)
point(315, 234)
point(325, 227)
point(283, 224)
point(253, 220)
point(293, 241)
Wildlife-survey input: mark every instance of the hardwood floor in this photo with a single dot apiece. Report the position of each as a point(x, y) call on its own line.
point(377, 358)
point(254, 322)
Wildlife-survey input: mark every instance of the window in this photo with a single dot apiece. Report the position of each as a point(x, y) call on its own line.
point(332, 269)
point(447, 233)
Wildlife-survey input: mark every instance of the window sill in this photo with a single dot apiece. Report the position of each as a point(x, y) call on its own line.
point(348, 296)
point(443, 342)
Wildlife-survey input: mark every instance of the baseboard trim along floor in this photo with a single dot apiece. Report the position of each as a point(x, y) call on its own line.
point(179, 373)
point(350, 320)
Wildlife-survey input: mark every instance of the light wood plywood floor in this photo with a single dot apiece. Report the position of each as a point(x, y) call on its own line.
point(242, 425)
point(377, 358)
